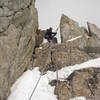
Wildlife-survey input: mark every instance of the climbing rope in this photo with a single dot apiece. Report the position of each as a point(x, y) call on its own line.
point(40, 78)
point(35, 88)
point(57, 28)
point(57, 87)
point(37, 83)
point(58, 98)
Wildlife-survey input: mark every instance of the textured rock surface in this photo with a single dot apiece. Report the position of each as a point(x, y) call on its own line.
point(43, 57)
point(59, 55)
point(68, 54)
point(39, 37)
point(87, 40)
point(70, 29)
point(93, 30)
point(93, 40)
point(85, 82)
point(18, 25)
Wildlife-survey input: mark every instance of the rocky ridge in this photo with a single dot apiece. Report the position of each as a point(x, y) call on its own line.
point(20, 40)
point(18, 25)
point(78, 45)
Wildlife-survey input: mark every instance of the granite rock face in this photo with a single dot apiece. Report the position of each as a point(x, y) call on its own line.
point(70, 29)
point(77, 46)
point(93, 30)
point(68, 54)
point(39, 37)
point(50, 56)
point(88, 40)
point(43, 57)
point(18, 25)
point(93, 40)
point(84, 82)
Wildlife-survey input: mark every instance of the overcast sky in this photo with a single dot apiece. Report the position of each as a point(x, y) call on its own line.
point(50, 11)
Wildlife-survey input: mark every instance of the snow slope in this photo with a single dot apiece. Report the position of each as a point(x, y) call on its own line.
point(24, 86)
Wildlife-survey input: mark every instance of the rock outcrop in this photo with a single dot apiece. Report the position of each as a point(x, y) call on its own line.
point(39, 37)
point(88, 40)
point(18, 25)
point(70, 29)
point(93, 30)
point(85, 82)
point(94, 40)
point(43, 57)
point(49, 56)
point(77, 46)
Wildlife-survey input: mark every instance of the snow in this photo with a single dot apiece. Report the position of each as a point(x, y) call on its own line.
point(24, 86)
point(78, 98)
point(40, 48)
point(75, 38)
point(45, 41)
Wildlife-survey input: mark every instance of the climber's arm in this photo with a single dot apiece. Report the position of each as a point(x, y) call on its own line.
point(54, 33)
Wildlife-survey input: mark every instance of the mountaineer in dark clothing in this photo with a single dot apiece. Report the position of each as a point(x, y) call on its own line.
point(50, 36)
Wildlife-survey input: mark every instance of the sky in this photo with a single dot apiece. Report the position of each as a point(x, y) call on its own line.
point(50, 11)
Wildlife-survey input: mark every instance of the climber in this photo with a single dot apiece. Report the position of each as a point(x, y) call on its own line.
point(50, 36)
